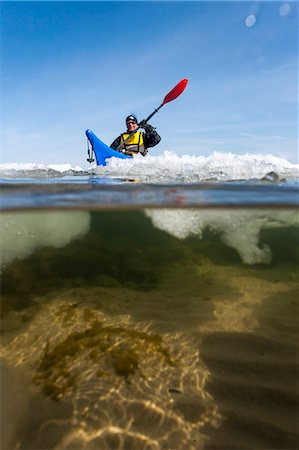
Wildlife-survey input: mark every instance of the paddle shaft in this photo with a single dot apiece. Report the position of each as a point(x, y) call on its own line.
point(174, 93)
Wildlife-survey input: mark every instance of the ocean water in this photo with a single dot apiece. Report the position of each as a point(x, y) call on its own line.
point(151, 304)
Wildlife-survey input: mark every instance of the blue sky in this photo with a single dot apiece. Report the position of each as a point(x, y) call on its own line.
point(69, 66)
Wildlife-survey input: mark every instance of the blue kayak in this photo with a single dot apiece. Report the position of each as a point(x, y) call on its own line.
point(101, 151)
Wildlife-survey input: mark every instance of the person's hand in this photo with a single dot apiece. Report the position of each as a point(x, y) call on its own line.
point(143, 124)
point(146, 126)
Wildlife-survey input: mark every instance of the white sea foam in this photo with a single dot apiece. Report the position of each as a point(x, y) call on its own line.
point(237, 229)
point(21, 234)
point(32, 169)
point(170, 167)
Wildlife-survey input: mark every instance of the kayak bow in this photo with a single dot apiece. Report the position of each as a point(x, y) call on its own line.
point(101, 151)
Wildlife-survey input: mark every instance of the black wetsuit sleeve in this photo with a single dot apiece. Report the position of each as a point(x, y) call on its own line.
point(116, 143)
point(150, 137)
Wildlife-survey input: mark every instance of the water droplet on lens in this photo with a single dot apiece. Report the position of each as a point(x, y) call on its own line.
point(250, 20)
point(284, 9)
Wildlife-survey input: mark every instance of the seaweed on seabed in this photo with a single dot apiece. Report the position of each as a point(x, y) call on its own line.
point(99, 343)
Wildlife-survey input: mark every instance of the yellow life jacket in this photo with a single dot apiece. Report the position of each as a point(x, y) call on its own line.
point(133, 145)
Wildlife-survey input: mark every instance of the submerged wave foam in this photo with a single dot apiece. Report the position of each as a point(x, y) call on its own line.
point(170, 167)
point(22, 234)
point(237, 229)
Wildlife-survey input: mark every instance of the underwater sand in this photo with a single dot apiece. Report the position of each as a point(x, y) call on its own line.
point(180, 346)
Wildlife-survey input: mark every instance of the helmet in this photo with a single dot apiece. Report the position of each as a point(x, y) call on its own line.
point(131, 118)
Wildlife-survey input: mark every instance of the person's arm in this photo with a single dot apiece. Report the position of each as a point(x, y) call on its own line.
point(150, 137)
point(116, 143)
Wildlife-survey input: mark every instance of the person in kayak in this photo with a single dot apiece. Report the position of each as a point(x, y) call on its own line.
point(140, 141)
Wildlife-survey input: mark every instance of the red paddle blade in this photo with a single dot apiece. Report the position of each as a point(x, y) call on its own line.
point(176, 91)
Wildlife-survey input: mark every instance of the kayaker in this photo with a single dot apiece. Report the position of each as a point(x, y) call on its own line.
point(140, 141)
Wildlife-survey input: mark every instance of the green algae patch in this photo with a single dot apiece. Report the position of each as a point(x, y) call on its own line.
point(108, 350)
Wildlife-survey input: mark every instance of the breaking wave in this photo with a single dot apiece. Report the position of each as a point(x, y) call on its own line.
point(35, 170)
point(168, 167)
